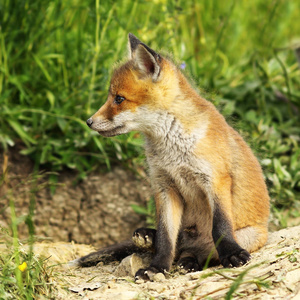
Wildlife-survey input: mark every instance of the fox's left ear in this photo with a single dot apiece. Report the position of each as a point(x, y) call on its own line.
point(147, 62)
point(146, 59)
point(133, 43)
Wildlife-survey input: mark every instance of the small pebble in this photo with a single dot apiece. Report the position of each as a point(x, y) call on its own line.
point(159, 277)
point(139, 281)
point(194, 276)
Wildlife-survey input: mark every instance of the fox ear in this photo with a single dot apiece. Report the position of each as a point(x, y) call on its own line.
point(147, 61)
point(133, 44)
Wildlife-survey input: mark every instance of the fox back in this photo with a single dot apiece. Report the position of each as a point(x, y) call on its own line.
point(209, 187)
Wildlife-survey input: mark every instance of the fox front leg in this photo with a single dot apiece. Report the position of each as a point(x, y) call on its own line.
point(169, 209)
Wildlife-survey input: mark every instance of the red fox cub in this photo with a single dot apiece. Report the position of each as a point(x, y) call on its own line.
point(209, 187)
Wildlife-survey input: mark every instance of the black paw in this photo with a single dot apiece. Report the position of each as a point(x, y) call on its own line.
point(189, 264)
point(236, 260)
point(146, 274)
point(144, 238)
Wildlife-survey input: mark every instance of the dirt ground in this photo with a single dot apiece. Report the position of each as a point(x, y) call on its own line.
point(97, 211)
point(276, 265)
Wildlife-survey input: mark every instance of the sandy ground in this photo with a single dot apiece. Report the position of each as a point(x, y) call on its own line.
point(276, 265)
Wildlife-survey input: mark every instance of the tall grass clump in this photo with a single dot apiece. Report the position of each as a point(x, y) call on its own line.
point(56, 58)
point(23, 275)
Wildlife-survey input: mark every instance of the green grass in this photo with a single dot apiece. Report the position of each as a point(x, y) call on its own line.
point(56, 58)
point(23, 275)
point(236, 278)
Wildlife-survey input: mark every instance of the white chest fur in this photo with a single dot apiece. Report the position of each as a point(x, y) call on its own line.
point(171, 151)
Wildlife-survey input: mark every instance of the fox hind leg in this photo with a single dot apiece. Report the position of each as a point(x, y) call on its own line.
point(231, 254)
point(194, 251)
point(252, 238)
point(189, 264)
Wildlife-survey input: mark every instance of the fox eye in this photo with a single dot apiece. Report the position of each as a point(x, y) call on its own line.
point(119, 99)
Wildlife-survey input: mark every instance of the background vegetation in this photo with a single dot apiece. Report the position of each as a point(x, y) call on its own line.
point(56, 58)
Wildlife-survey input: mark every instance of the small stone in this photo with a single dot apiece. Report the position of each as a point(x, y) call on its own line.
point(140, 281)
point(195, 275)
point(129, 266)
point(159, 277)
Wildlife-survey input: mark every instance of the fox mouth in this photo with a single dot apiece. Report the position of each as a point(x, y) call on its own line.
point(112, 132)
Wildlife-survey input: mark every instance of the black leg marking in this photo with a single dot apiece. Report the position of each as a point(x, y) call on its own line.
point(163, 257)
point(230, 253)
point(236, 260)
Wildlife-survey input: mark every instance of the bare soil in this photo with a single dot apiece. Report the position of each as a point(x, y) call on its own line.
point(96, 210)
point(273, 273)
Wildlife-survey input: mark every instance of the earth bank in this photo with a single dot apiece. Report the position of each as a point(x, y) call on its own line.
point(96, 210)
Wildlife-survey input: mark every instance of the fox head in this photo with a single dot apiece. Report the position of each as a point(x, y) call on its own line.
point(140, 92)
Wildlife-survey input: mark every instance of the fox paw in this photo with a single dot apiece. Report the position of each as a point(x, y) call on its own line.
point(146, 274)
point(237, 259)
point(189, 264)
point(144, 238)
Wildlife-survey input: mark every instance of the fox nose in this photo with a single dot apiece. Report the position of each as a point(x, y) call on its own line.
point(89, 122)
